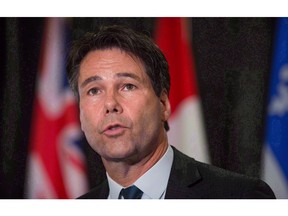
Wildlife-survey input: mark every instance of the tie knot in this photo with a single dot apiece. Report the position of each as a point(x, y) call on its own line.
point(131, 192)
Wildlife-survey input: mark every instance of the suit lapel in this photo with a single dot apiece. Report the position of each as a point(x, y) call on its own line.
point(99, 192)
point(184, 174)
point(104, 190)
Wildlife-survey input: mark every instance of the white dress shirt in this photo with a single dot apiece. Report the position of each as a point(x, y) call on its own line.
point(153, 183)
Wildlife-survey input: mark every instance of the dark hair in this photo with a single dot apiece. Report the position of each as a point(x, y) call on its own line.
point(127, 40)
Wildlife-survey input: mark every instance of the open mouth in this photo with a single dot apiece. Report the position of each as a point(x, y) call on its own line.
point(114, 130)
point(114, 127)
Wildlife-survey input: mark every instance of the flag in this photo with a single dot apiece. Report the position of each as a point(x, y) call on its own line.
point(186, 122)
point(56, 164)
point(275, 153)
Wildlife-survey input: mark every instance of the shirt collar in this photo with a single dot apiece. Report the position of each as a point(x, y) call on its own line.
point(153, 183)
point(114, 187)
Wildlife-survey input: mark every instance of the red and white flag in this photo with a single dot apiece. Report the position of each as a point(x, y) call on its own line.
point(56, 164)
point(186, 122)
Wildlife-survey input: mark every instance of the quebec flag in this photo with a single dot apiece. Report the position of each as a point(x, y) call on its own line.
point(275, 154)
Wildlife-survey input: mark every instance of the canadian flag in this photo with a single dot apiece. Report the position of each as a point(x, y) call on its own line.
point(186, 122)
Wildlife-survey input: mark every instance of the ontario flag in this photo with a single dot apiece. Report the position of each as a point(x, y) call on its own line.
point(56, 164)
point(186, 122)
point(275, 151)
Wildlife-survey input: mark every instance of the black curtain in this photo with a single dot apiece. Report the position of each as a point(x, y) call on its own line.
point(20, 46)
point(233, 57)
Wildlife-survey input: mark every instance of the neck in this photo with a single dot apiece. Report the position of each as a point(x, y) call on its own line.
point(125, 173)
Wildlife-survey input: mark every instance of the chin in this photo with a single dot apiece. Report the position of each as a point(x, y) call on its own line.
point(121, 155)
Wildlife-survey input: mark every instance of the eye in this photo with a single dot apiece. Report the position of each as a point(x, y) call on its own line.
point(129, 87)
point(93, 91)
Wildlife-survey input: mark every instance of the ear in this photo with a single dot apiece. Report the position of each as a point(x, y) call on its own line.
point(165, 106)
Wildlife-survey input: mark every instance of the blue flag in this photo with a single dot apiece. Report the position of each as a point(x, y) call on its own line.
point(275, 161)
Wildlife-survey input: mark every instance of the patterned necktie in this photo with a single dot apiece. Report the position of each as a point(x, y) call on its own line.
point(131, 192)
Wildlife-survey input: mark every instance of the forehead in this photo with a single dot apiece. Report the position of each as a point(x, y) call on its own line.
point(110, 60)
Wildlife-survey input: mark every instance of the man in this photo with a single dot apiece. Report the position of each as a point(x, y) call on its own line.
point(122, 81)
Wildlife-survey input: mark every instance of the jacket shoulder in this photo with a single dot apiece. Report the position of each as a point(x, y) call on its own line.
point(194, 179)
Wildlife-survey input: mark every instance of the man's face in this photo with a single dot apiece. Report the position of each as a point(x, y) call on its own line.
point(120, 114)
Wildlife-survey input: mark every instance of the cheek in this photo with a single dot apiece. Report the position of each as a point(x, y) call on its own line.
point(86, 117)
point(83, 121)
point(89, 127)
point(149, 116)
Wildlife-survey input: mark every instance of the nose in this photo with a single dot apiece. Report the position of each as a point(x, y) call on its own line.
point(112, 104)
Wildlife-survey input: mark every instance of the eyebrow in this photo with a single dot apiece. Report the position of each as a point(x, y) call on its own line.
point(89, 80)
point(130, 75)
point(118, 75)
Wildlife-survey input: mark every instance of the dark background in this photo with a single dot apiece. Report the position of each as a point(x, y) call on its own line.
point(233, 58)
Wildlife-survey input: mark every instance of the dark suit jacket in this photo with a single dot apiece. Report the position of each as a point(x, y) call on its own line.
point(190, 179)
